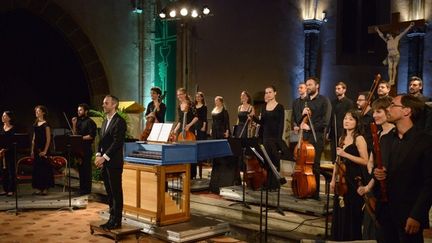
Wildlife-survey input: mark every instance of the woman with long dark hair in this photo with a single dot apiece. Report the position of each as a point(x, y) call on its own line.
point(43, 174)
point(7, 132)
point(353, 154)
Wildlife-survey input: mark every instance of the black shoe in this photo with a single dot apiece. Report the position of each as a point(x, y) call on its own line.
point(115, 225)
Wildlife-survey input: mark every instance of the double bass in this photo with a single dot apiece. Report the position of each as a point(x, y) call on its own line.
point(303, 180)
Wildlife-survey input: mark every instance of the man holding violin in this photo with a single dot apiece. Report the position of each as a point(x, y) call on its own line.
point(407, 171)
point(156, 108)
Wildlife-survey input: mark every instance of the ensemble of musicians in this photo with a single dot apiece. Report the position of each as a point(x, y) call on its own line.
point(381, 180)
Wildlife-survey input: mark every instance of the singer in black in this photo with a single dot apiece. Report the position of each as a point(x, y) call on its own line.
point(83, 125)
point(6, 153)
point(43, 175)
point(272, 123)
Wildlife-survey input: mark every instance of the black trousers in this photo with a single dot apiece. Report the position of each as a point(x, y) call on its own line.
point(9, 173)
point(112, 178)
point(85, 172)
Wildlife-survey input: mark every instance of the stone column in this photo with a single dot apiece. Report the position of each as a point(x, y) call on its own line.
point(311, 29)
point(415, 54)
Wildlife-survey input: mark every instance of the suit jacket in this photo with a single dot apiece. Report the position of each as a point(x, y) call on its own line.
point(409, 175)
point(112, 141)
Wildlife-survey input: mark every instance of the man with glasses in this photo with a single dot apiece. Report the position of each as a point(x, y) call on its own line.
point(407, 155)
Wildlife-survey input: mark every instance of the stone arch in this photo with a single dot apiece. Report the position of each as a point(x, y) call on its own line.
point(59, 19)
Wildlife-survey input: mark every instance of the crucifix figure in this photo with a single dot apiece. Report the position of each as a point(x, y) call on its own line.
point(393, 55)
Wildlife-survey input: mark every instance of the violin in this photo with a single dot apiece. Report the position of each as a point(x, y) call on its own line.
point(341, 186)
point(303, 180)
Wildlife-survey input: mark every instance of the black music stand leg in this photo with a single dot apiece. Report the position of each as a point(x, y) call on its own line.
point(70, 208)
point(243, 203)
point(278, 209)
point(261, 215)
point(15, 179)
point(327, 209)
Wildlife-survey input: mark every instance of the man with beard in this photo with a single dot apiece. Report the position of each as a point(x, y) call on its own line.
point(86, 127)
point(340, 106)
point(367, 117)
point(316, 107)
point(416, 87)
point(407, 171)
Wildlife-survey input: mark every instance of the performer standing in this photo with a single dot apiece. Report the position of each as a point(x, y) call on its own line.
point(200, 125)
point(340, 106)
point(109, 158)
point(156, 108)
point(379, 108)
point(367, 118)
point(316, 105)
point(243, 112)
point(83, 125)
point(347, 209)
point(416, 87)
point(272, 124)
point(220, 126)
point(185, 105)
point(7, 161)
point(43, 175)
point(297, 107)
point(384, 88)
point(407, 171)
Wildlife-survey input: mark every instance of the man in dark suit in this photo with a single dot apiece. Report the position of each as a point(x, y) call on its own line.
point(109, 158)
point(407, 156)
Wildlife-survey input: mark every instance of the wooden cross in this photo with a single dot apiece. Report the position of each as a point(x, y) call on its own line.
point(395, 28)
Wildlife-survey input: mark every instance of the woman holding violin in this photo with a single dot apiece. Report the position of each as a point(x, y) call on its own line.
point(244, 110)
point(351, 163)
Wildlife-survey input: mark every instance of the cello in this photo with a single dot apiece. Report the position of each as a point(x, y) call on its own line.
point(303, 180)
point(185, 135)
point(151, 119)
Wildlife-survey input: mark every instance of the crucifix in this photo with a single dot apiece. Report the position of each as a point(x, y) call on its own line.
point(392, 59)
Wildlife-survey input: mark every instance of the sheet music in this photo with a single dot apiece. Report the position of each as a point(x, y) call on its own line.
point(160, 132)
point(165, 132)
point(154, 133)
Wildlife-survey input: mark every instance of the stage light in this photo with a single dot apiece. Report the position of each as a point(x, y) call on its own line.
point(184, 12)
point(194, 13)
point(172, 13)
point(206, 10)
point(162, 14)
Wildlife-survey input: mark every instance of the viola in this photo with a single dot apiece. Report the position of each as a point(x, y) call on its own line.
point(371, 92)
point(303, 180)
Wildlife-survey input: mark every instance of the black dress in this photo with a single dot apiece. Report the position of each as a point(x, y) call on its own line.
point(272, 123)
point(225, 169)
point(242, 119)
point(202, 117)
point(9, 172)
point(347, 220)
point(43, 172)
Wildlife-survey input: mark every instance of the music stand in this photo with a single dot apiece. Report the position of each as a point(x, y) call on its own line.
point(19, 141)
point(69, 144)
point(238, 147)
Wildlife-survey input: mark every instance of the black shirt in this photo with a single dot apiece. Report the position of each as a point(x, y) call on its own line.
point(297, 109)
point(272, 122)
point(408, 161)
point(86, 126)
point(339, 109)
point(160, 114)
